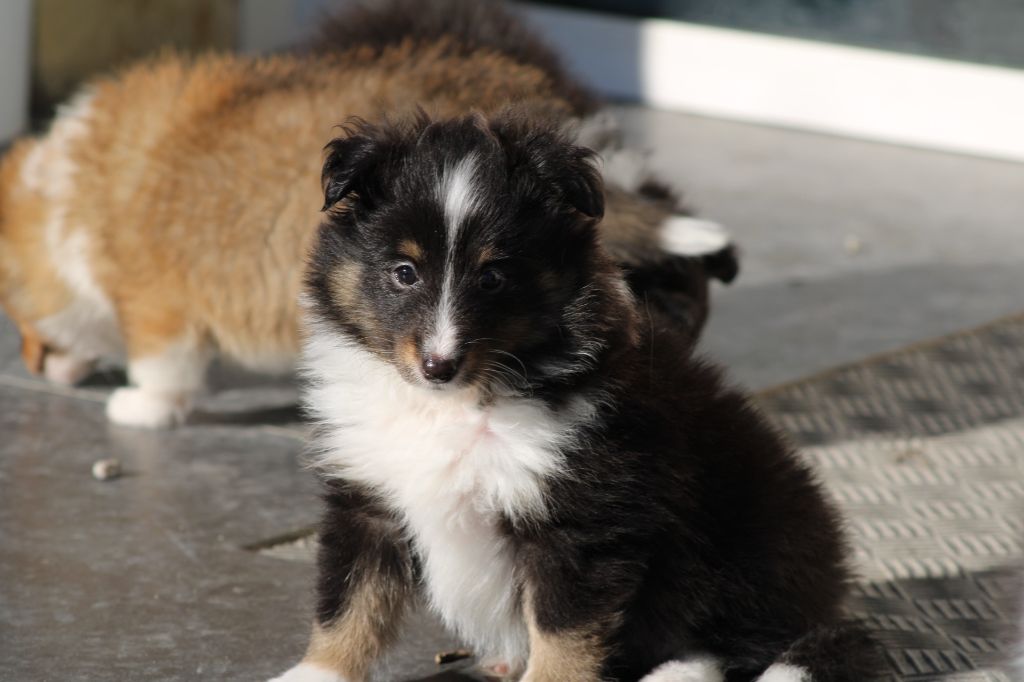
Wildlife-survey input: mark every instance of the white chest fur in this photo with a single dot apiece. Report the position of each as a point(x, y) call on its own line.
point(451, 468)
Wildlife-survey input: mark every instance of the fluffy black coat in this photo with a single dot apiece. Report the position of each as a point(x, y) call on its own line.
point(679, 521)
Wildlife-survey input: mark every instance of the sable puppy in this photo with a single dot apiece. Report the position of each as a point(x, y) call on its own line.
point(167, 213)
point(506, 432)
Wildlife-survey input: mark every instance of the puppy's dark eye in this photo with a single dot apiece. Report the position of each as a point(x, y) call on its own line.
point(491, 280)
point(406, 275)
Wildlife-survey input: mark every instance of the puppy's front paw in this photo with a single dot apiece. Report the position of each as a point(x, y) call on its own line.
point(307, 672)
point(139, 407)
point(699, 669)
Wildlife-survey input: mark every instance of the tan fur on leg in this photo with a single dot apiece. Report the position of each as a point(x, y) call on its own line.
point(566, 656)
point(353, 641)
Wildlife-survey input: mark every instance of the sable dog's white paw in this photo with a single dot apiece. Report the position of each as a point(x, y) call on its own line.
point(139, 407)
point(307, 672)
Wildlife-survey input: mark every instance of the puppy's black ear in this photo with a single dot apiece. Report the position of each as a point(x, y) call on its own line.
point(566, 172)
point(350, 167)
point(580, 182)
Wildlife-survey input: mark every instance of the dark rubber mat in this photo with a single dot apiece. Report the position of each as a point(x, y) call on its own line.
point(924, 450)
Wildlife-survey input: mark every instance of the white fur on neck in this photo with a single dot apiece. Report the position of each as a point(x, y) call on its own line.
point(87, 327)
point(450, 467)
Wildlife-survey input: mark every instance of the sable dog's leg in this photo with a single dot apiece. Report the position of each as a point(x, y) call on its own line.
point(364, 587)
point(167, 362)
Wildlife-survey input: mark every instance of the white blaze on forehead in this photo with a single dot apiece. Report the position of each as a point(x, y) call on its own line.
point(459, 197)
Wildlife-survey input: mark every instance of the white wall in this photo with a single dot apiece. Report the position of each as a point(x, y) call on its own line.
point(15, 42)
point(872, 94)
point(877, 95)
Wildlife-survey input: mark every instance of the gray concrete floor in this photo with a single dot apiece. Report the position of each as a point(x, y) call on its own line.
point(941, 240)
point(148, 577)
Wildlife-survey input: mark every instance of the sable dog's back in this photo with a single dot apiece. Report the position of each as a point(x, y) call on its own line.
point(195, 182)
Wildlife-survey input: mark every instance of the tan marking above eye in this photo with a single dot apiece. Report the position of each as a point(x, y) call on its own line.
point(487, 254)
point(411, 250)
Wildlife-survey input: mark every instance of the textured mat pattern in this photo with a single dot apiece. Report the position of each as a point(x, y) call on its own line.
point(924, 450)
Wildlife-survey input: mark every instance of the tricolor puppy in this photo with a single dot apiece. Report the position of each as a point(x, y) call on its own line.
point(505, 432)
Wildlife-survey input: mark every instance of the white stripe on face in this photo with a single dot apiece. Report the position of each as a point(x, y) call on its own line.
point(457, 194)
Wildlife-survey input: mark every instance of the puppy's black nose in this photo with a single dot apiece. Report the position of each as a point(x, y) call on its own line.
point(438, 369)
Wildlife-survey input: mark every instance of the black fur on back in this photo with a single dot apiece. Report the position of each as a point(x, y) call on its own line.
point(463, 26)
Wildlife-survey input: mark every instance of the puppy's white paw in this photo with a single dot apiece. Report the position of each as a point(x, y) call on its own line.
point(139, 407)
point(307, 672)
point(62, 368)
point(686, 236)
point(700, 669)
point(783, 672)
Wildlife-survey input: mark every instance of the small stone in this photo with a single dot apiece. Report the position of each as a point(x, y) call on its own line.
point(106, 469)
point(853, 244)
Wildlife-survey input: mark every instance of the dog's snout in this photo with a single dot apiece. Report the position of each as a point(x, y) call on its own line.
point(438, 369)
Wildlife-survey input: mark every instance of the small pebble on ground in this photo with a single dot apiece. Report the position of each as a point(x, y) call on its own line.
point(106, 469)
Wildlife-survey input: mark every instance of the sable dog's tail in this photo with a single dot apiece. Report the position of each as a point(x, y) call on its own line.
point(458, 26)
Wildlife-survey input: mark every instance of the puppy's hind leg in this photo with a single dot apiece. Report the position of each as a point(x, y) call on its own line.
point(166, 376)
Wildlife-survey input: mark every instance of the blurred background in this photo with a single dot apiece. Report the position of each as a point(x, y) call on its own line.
point(844, 66)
